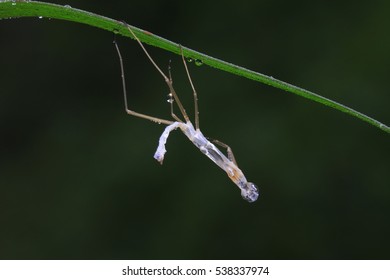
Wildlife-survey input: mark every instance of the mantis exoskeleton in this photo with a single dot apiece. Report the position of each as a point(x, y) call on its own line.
point(249, 190)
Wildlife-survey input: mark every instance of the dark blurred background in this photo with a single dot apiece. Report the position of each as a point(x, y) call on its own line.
point(77, 175)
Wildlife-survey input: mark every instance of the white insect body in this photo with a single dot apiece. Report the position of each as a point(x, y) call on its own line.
point(249, 190)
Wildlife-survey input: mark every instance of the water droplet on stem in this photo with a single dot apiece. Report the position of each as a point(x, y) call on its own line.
point(170, 98)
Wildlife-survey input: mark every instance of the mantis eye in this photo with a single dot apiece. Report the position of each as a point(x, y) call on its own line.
point(250, 193)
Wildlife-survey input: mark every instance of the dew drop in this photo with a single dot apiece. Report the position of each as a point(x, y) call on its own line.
point(190, 59)
point(198, 62)
point(40, 17)
point(67, 6)
point(13, 2)
point(116, 31)
point(170, 98)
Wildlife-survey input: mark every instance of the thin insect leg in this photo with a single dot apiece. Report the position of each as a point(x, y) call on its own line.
point(193, 90)
point(171, 100)
point(228, 149)
point(166, 79)
point(128, 111)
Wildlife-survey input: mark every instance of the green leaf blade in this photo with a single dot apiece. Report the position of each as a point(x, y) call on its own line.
point(17, 9)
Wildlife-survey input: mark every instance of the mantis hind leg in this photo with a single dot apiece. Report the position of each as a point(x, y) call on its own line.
point(128, 111)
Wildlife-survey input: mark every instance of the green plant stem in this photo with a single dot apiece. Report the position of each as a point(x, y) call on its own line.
point(16, 9)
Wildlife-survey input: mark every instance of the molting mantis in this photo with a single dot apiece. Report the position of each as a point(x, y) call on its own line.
point(228, 163)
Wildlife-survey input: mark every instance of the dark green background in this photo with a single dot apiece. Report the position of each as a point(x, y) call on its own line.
point(77, 175)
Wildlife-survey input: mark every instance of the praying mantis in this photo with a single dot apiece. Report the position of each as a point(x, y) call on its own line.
point(249, 191)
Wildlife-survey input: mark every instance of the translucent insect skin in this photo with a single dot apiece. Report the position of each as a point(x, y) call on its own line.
point(249, 190)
